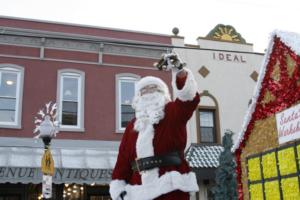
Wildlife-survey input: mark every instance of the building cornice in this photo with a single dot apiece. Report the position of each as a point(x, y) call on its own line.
point(211, 39)
point(74, 42)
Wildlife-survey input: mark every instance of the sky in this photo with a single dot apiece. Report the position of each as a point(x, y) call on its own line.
point(253, 19)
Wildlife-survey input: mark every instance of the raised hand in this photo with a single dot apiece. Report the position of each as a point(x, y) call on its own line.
point(169, 61)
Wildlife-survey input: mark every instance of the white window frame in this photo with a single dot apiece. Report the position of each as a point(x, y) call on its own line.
point(119, 78)
point(81, 85)
point(213, 110)
point(17, 124)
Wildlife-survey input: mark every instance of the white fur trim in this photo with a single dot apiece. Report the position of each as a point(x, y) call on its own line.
point(144, 143)
point(116, 187)
point(149, 80)
point(168, 182)
point(144, 148)
point(188, 92)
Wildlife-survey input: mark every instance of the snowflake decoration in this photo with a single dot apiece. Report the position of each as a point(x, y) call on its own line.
point(46, 124)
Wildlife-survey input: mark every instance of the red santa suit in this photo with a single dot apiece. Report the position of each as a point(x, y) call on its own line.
point(163, 136)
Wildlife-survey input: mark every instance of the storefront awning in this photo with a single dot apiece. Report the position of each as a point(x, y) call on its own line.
point(75, 161)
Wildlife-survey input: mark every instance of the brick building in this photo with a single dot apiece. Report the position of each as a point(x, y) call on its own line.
point(90, 72)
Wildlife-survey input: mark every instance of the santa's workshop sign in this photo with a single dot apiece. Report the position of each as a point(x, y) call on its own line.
point(288, 124)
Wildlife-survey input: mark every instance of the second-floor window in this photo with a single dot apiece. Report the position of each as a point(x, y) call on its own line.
point(125, 94)
point(11, 84)
point(207, 126)
point(71, 99)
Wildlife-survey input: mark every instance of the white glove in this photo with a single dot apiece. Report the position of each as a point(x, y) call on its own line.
point(170, 61)
point(173, 61)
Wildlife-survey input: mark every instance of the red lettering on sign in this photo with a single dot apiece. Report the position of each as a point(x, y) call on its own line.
point(292, 117)
point(292, 129)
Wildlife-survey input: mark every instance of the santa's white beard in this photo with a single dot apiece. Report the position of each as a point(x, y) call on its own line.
point(149, 110)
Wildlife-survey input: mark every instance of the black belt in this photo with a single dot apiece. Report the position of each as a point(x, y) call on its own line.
point(170, 159)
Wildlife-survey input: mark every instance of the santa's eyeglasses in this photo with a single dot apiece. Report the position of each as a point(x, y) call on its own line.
point(150, 89)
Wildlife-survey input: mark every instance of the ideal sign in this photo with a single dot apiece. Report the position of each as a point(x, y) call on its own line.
point(229, 57)
point(288, 124)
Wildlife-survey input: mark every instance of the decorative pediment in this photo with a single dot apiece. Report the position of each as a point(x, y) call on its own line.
point(225, 33)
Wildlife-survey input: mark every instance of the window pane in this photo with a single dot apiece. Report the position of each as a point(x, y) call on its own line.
point(127, 113)
point(70, 90)
point(127, 92)
point(7, 109)
point(69, 113)
point(207, 126)
point(206, 119)
point(7, 116)
point(207, 134)
point(8, 84)
point(7, 104)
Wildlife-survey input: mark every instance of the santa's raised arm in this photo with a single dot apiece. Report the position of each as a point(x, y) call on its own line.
point(151, 163)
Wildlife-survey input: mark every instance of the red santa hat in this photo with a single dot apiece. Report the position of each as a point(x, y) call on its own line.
point(151, 80)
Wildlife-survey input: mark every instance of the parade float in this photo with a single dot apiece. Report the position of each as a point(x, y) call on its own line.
point(267, 151)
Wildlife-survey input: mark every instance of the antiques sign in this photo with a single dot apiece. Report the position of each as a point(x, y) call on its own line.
point(288, 124)
point(61, 175)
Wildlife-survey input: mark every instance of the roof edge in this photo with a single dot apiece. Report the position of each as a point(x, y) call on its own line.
point(81, 25)
point(255, 96)
point(291, 40)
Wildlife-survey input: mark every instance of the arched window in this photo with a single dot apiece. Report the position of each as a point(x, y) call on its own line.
point(70, 99)
point(125, 89)
point(208, 123)
point(11, 94)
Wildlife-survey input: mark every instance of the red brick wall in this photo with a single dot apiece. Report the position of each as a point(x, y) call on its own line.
point(40, 77)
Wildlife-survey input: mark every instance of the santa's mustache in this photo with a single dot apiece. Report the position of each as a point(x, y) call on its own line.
point(151, 96)
point(155, 99)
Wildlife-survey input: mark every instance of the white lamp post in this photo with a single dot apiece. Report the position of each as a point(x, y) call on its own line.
point(47, 127)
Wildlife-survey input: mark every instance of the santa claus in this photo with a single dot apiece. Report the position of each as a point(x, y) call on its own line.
point(151, 163)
